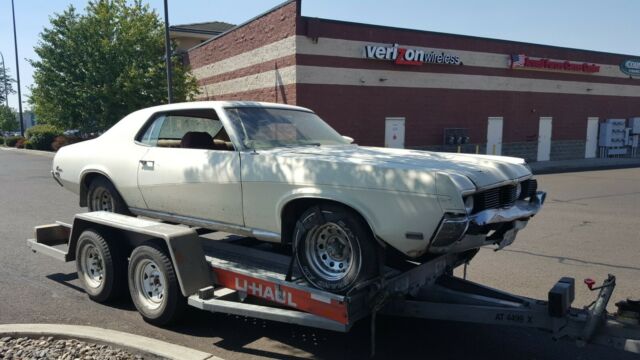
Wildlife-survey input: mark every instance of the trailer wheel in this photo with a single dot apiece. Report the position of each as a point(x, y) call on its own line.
point(154, 286)
point(334, 248)
point(100, 267)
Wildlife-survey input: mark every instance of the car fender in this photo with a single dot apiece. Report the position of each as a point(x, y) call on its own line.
point(391, 215)
point(337, 195)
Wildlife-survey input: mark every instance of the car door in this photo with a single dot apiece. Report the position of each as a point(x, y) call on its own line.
point(191, 168)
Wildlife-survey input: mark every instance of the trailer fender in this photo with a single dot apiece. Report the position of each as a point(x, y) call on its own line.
point(182, 243)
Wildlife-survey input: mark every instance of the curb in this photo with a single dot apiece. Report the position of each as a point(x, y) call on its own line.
point(105, 336)
point(28, 151)
point(561, 170)
point(578, 166)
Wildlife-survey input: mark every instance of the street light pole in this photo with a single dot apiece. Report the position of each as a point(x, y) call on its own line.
point(15, 43)
point(167, 50)
point(4, 78)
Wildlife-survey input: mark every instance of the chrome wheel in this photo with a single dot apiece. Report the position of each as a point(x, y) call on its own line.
point(92, 265)
point(150, 283)
point(329, 251)
point(102, 200)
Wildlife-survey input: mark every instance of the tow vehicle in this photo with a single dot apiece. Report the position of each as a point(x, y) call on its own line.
point(170, 263)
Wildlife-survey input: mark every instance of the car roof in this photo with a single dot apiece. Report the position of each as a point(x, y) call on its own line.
point(221, 104)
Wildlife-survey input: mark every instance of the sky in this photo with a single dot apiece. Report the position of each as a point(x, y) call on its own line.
point(602, 25)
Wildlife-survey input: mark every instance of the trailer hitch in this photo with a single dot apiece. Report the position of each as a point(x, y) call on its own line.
point(597, 309)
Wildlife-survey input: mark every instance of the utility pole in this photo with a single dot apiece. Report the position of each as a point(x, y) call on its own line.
point(167, 50)
point(15, 43)
point(6, 83)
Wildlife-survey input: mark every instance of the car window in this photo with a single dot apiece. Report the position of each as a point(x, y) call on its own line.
point(194, 129)
point(150, 137)
point(175, 127)
point(264, 128)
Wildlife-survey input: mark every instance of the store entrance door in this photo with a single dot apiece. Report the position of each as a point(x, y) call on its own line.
point(591, 146)
point(394, 132)
point(494, 136)
point(544, 138)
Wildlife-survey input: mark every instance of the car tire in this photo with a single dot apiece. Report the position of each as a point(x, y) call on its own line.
point(153, 285)
point(100, 266)
point(103, 196)
point(334, 248)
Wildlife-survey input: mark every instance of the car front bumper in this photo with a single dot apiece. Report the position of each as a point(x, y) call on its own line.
point(453, 233)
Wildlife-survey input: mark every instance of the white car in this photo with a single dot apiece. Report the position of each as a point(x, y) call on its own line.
point(280, 174)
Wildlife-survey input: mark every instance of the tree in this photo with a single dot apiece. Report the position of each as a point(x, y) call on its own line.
point(96, 67)
point(6, 85)
point(8, 121)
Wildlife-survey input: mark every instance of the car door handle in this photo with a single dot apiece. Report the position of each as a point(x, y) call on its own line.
point(147, 163)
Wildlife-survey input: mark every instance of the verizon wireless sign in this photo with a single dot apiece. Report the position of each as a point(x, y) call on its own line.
point(521, 61)
point(409, 56)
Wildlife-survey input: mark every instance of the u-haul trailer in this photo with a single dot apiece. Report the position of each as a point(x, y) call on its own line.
point(169, 264)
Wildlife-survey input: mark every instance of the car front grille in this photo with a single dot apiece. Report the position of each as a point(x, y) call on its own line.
point(529, 188)
point(503, 196)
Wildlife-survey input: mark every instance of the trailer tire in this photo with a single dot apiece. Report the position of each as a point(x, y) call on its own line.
point(153, 285)
point(334, 248)
point(100, 266)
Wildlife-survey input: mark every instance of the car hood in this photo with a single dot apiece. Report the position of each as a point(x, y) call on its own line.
point(482, 170)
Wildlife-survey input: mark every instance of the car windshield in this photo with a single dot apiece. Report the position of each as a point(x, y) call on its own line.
point(265, 128)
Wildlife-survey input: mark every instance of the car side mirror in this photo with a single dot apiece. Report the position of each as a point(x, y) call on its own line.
point(348, 138)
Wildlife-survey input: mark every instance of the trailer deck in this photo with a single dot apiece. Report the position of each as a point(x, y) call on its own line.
point(241, 276)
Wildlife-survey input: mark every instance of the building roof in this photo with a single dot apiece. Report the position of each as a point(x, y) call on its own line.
point(207, 28)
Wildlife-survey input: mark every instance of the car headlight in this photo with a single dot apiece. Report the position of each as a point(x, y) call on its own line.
point(468, 204)
point(518, 190)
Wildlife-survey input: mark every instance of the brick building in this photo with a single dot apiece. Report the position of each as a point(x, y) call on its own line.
point(396, 87)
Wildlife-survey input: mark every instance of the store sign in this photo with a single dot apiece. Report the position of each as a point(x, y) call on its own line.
point(631, 67)
point(409, 56)
point(521, 61)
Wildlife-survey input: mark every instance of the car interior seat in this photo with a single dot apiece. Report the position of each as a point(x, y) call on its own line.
point(197, 140)
point(222, 141)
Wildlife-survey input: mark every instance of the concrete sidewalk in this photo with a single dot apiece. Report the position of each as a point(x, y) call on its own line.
point(118, 339)
point(560, 166)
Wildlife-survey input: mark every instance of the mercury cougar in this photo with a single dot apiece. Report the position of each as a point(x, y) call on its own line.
point(280, 174)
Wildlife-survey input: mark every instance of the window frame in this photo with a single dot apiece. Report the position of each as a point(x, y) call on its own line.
point(153, 117)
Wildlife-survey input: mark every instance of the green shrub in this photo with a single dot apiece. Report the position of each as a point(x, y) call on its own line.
point(41, 136)
point(1, 140)
point(12, 140)
point(28, 145)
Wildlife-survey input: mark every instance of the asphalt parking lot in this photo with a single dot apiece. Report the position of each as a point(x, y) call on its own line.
point(590, 227)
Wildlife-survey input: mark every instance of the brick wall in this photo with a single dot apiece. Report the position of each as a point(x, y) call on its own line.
point(567, 149)
point(281, 94)
point(275, 25)
point(527, 150)
point(359, 110)
point(268, 28)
